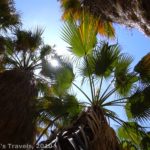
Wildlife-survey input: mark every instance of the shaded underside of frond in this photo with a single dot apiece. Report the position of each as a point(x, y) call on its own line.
point(138, 105)
point(89, 132)
point(143, 68)
point(130, 13)
point(17, 101)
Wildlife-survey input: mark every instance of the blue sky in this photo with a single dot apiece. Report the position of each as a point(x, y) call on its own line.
point(47, 14)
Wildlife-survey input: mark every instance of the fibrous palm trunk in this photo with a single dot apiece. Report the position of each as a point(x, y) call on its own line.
point(132, 13)
point(17, 107)
point(89, 132)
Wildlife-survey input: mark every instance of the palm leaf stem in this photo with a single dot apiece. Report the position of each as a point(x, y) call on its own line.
point(35, 62)
point(17, 64)
point(107, 89)
point(92, 79)
point(112, 117)
point(43, 79)
point(82, 92)
point(34, 66)
point(117, 101)
point(107, 95)
point(116, 105)
point(91, 87)
point(15, 60)
point(100, 86)
point(116, 119)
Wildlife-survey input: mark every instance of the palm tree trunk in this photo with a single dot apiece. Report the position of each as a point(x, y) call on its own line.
point(132, 13)
point(17, 107)
point(89, 132)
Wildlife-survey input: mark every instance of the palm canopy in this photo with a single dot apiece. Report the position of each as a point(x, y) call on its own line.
point(22, 50)
point(73, 9)
point(27, 64)
point(101, 61)
point(8, 15)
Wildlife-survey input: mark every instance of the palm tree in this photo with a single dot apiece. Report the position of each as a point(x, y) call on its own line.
point(18, 86)
point(9, 19)
point(107, 72)
point(132, 14)
point(8, 15)
point(33, 92)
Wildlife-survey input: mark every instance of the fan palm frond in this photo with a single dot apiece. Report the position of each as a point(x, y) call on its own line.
point(131, 131)
point(138, 105)
point(56, 106)
point(28, 40)
point(127, 145)
point(45, 50)
point(61, 76)
point(106, 57)
point(124, 78)
point(143, 68)
point(81, 37)
point(102, 60)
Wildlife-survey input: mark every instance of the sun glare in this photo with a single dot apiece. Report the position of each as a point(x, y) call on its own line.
point(54, 62)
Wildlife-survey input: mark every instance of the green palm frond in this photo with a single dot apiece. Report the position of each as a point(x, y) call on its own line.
point(124, 78)
point(43, 87)
point(64, 78)
point(87, 67)
point(28, 40)
point(2, 44)
point(143, 68)
point(127, 145)
point(9, 46)
point(102, 60)
point(45, 50)
point(131, 131)
point(138, 105)
point(61, 76)
point(47, 69)
point(106, 57)
point(80, 36)
point(25, 50)
point(56, 106)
